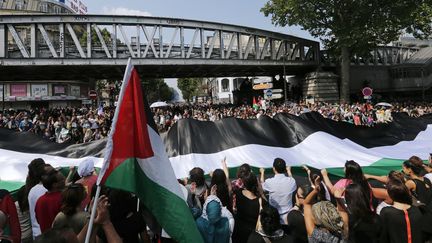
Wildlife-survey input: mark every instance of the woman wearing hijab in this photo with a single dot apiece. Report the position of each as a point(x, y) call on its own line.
point(323, 221)
point(88, 179)
point(216, 222)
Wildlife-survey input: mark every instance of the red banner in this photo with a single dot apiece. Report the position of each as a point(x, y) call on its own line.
point(18, 90)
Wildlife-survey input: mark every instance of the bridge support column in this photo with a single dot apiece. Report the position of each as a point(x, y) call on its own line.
point(2, 41)
point(321, 86)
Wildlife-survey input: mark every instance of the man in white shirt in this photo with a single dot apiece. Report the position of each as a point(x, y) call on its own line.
point(280, 188)
point(35, 193)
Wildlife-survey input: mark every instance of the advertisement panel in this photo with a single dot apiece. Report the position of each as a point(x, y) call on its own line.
point(1, 91)
point(75, 91)
point(18, 90)
point(39, 90)
point(59, 90)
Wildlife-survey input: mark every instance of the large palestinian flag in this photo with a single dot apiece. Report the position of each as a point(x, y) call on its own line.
point(307, 139)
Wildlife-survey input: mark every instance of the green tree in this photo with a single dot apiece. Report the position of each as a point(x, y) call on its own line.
point(157, 90)
point(106, 35)
point(189, 87)
point(348, 27)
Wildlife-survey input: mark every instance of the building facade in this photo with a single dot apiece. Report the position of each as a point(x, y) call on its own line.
point(26, 94)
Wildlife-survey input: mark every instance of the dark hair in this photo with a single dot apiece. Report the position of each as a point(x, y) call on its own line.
point(218, 177)
point(243, 170)
point(415, 169)
point(279, 165)
point(306, 188)
point(220, 180)
point(72, 198)
point(122, 203)
point(197, 175)
point(354, 172)
point(22, 199)
point(398, 192)
point(322, 192)
point(36, 169)
point(49, 179)
point(396, 175)
point(270, 219)
point(180, 181)
point(415, 160)
point(251, 183)
point(358, 202)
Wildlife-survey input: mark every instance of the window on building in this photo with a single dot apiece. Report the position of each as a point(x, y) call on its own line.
point(19, 4)
point(225, 85)
point(43, 7)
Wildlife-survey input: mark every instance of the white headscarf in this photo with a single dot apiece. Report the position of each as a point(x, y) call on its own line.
point(86, 168)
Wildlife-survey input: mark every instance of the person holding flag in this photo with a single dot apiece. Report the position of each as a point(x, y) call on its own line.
point(136, 161)
point(255, 105)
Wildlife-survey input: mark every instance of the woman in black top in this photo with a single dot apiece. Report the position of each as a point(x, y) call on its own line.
point(401, 222)
point(295, 218)
point(364, 224)
point(271, 229)
point(419, 186)
point(248, 206)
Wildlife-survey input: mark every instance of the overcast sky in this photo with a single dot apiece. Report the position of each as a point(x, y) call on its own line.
point(239, 12)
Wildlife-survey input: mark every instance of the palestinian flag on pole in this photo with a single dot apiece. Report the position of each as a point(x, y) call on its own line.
point(136, 161)
point(255, 105)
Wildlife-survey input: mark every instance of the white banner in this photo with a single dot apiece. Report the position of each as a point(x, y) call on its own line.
point(39, 90)
point(1, 91)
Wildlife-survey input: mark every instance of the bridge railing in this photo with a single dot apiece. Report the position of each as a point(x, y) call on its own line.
point(380, 56)
point(119, 37)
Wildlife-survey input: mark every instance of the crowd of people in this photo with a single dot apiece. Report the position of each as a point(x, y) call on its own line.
point(360, 114)
point(61, 125)
point(396, 208)
point(85, 124)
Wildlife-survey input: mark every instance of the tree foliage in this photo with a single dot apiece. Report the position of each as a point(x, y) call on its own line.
point(358, 24)
point(349, 27)
point(157, 90)
point(189, 87)
point(106, 35)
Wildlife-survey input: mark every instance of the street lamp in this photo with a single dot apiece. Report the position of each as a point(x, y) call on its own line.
point(3, 98)
point(284, 77)
point(422, 84)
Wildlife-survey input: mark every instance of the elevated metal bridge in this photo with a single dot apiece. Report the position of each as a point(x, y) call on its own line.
point(55, 47)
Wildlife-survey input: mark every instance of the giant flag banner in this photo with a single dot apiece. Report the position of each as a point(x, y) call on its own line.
point(306, 139)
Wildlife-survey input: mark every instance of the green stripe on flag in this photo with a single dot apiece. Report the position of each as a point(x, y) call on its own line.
point(170, 210)
point(380, 167)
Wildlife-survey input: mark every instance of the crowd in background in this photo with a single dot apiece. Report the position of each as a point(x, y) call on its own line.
point(61, 125)
point(360, 114)
point(85, 124)
point(276, 208)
